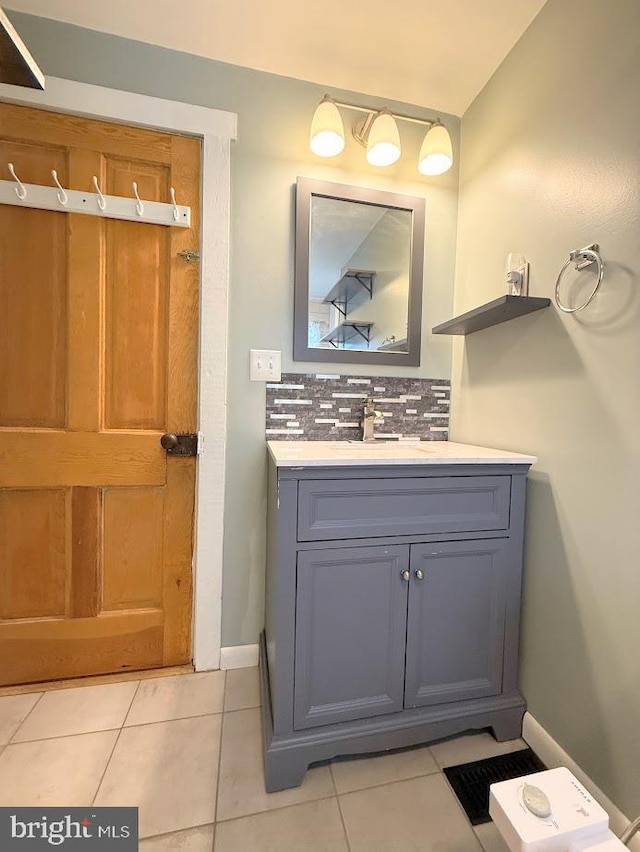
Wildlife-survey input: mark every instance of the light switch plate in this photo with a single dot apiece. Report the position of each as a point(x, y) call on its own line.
point(265, 365)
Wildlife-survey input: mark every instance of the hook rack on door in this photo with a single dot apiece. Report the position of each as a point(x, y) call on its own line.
point(56, 197)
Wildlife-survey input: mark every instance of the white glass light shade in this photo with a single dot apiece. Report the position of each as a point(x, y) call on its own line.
point(436, 153)
point(327, 130)
point(383, 141)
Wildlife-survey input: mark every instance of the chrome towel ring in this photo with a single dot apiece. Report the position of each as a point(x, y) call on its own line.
point(582, 258)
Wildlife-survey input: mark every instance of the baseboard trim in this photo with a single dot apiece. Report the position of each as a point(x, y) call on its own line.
point(239, 656)
point(552, 755)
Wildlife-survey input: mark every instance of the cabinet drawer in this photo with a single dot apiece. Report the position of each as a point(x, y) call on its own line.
point(363, 508)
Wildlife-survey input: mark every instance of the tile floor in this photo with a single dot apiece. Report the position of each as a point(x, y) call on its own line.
point(187, 751)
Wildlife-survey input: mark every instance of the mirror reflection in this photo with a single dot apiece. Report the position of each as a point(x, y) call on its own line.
point(358, 275)
point(359, 268)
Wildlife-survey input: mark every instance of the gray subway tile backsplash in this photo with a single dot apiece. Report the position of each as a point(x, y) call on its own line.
point(327, 407)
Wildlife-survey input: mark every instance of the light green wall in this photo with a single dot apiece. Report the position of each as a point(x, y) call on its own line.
point(550, 162)
point(272, 150)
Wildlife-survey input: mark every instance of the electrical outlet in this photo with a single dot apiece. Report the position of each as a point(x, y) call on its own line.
point(265, 365)
point(517, 275)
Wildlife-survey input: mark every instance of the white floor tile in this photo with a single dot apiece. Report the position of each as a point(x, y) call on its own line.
point(13, 711)
point(412, 816)
point(192, 840)
point(310, 827)
point(490, 838)
point(79, 710)
point(471, 747)
point(242, 690)
point(169, 770)
point(161, 699)
point(358, 773)
point(242, 790)
point(57, 772)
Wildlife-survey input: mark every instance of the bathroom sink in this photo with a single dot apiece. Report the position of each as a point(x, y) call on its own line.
point(383, 442)
point(400, 449)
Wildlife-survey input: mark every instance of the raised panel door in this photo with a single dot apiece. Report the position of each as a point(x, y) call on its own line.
point(98, 357)
point(456, 617)
point(351, 616)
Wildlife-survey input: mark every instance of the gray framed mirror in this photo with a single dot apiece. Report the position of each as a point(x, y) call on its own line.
point(358, 275)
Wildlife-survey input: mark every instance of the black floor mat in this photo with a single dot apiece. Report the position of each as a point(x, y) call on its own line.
point(470, 781)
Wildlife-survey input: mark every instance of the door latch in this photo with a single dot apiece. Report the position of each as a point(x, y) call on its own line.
point(180, 444)
point(190, 255)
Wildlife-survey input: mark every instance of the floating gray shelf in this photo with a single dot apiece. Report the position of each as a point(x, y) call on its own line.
point(352, 283)
point(500, 310)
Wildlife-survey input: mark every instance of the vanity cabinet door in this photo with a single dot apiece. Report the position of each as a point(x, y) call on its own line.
point(351, 619)
point(456, 616)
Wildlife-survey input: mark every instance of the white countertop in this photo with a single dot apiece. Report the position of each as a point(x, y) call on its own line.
point(348, 453)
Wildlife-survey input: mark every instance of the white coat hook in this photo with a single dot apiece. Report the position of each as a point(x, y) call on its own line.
point(102, 201)
point(176, 212)
point(139, 204)
point(63, 198)
point(21, 189)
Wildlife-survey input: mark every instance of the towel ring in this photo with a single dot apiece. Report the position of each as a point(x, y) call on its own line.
point(582, 258)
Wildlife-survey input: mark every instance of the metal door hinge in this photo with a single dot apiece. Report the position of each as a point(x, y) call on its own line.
point(191, 256)
point(181, 444)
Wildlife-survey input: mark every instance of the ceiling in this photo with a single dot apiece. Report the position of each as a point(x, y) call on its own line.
point(433, 53)
point(337, 229)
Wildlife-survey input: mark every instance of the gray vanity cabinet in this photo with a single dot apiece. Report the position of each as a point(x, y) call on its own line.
point(392, 608)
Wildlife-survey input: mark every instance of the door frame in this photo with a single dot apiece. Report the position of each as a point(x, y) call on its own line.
point(217, 129)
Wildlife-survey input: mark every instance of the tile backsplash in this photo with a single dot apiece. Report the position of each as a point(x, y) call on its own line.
point(323, 407)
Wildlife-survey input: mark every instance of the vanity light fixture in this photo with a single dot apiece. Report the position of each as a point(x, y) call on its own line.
point(378, 133)
point(436, 154)
point(327, 130)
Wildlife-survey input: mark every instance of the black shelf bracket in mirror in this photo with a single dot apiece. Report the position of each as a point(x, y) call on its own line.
point(500, 310)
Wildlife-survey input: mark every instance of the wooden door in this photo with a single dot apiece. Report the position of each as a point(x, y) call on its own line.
point(456, 622)
point(351, 622)
point(98, 358)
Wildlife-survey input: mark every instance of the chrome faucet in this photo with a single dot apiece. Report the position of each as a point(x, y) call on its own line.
point(369, 417)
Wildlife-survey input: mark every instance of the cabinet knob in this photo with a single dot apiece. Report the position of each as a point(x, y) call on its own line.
point(405, 574)
point(419, 574)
